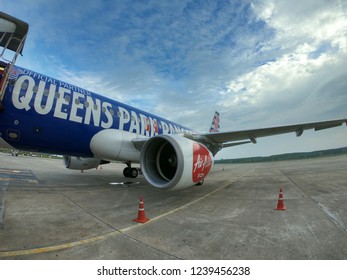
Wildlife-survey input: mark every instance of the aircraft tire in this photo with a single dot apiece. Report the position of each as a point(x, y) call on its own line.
point(134, 172)
point(127, 172)
point(200, 183)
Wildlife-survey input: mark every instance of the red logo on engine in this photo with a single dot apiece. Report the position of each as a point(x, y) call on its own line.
point(202, 162)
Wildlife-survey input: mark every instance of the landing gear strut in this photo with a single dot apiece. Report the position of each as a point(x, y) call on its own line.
point(200, 183)
point(130, 172)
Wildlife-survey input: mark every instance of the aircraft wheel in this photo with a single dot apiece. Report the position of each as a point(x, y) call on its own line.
point(200, 183)
point(127, 172)
point(134, 172)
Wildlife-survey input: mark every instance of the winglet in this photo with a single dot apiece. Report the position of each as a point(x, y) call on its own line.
point(215, 123)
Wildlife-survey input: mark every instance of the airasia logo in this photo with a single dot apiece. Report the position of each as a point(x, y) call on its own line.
point(202, 162)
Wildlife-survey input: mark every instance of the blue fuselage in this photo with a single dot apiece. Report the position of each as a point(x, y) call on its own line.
point(47, 115)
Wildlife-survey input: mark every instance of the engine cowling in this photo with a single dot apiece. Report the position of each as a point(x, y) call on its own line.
point(79, 163)
point(172, 161)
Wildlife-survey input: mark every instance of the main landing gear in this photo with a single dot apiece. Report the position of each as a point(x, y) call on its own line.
point(130, 172)
point(200, 183)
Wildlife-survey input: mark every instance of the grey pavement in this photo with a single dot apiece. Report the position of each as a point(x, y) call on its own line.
point(49, 212)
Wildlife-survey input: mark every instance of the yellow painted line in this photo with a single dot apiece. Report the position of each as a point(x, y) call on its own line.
point(7, 179)
point(69, 245)
point(57, 247)
point(32, 181)
point(183, 206)
point(11, 171)
point(20, 180)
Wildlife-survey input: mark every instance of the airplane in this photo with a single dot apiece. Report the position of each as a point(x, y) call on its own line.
point(42, 114)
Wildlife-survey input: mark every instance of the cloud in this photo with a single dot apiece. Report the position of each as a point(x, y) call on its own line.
point(259, 63)
point(306, 54)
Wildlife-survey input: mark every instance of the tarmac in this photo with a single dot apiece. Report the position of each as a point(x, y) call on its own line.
point(50, 212)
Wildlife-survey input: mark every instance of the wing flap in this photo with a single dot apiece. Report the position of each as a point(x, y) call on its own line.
point(226, 145)
point(326, 126)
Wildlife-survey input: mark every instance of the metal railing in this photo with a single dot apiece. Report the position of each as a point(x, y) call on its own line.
point(5, 41)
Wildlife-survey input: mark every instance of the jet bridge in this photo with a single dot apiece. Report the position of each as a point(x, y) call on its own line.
point(13, 32)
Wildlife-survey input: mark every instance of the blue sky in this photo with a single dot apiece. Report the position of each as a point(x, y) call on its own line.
point(259, 63)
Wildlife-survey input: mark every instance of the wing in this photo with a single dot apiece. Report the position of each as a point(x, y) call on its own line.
point(218, 140)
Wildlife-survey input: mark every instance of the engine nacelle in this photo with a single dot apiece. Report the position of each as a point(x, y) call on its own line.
point(79, 163)
point(172, 161)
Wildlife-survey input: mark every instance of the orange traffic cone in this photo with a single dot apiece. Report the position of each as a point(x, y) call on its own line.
point(141, 217)
point(280, 204)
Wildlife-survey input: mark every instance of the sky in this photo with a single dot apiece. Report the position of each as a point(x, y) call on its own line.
point(259, 63)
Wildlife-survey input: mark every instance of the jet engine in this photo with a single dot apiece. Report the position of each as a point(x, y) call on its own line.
point(80, 163)
point(172, 161)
